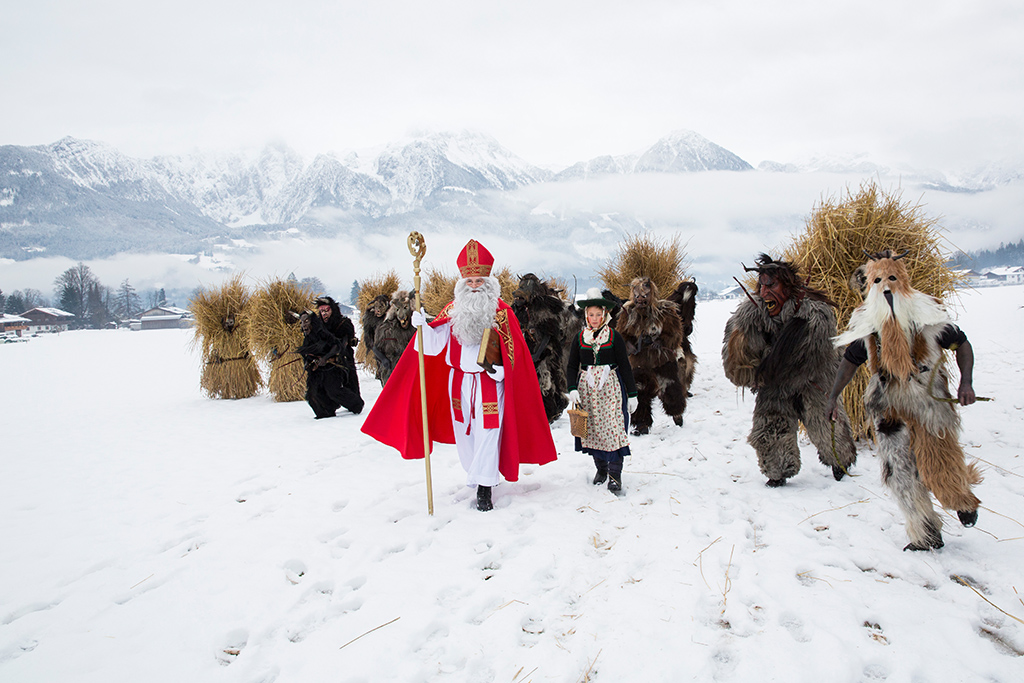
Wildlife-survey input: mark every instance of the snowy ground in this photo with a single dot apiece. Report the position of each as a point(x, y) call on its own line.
point(151, 534)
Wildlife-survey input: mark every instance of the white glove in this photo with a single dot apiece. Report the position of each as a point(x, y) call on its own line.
point(631, 404)
point(574, 396)
point(418, 318)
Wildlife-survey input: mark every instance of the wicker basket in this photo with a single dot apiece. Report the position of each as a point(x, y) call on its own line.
point(577, 421)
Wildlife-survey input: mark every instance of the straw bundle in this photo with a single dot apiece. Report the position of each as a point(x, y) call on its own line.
point(838, 232)
point(274, 335)
point(229, 370)
point(645, 256)
point(369, 289)
point(439, 288)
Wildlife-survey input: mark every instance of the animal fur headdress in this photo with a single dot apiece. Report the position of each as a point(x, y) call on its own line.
point(892, 309)
point(788, 275)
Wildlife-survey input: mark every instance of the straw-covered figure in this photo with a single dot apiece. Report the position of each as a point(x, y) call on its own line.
point(778, 344)
point(901, 333)
point(488, 405)
point(601, 383)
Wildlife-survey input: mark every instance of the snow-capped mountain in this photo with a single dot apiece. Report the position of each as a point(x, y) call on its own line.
point(683, 151)
point(85, 199)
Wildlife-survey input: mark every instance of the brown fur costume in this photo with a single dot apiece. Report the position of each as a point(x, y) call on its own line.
point(653, 332)
point(789, 361)
point(547, 324)
point(393, 335)
point(372, 317)
point(685, 298)
point(917, 434)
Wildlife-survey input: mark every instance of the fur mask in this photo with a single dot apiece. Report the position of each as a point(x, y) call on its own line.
point(894, 310)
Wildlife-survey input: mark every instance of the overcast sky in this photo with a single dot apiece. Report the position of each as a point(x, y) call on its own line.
point(937, 82)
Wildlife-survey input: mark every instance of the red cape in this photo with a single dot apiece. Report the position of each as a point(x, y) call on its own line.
point(396, 417)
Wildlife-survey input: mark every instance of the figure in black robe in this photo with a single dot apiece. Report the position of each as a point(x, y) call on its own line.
point(327, 351)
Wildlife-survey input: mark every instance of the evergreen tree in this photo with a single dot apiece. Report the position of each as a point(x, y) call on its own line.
point(3, 300)
point(15, 304)
point(353, 296)
point(98, 306)
point(127, 303)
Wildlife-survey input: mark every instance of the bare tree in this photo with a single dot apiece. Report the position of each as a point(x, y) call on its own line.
point(72, 289)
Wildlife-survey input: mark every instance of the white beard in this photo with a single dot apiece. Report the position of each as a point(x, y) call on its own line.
point(474, 310)
point(912, 313)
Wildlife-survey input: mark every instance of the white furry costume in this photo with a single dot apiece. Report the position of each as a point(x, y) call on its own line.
point(903, 332)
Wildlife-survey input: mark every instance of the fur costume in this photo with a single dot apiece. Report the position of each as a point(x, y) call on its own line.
point(547, 325)
point(653, 332)
point(788, 360)
point(328, 375)
point(685, 298)
point(393, 335)
point(903, 332)
point(371, 318)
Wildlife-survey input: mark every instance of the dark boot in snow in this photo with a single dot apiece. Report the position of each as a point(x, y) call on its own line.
point(615, 477)
point(483, 498)
point(602, 471)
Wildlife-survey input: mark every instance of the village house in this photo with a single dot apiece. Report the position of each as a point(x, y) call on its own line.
point(12, 326)
point(47, 319)
point(165, 317)
point(1007, 275)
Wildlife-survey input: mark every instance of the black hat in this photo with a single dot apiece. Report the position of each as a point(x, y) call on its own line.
point(593, 297)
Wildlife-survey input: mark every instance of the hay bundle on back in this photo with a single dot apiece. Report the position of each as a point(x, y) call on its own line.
point(831, 249)
point(229, 370)
point(274, 335)
point(379, 284)
point(439, 288)
point(645, 256)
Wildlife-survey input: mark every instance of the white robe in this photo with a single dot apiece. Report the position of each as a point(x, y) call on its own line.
point(479, 449)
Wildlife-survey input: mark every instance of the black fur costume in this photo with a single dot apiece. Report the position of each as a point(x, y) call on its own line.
point(789, 361)
point(394, 333)
point(653, 332)
point(547, 323)
point(331, 379)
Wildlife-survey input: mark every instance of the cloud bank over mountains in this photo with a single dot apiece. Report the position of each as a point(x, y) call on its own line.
point(344, 216)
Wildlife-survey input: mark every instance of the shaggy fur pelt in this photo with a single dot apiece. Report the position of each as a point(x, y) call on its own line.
point(918, 436)
point(789, 361)
point(329, 378)
point(546, 321)
point(685, 298)
point(394, 333)
point(370, 320)
point(653, 332)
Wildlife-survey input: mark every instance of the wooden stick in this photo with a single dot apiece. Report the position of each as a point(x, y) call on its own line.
point(418, 248)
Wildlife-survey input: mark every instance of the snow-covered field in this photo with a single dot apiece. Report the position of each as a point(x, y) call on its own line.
point(150, 534)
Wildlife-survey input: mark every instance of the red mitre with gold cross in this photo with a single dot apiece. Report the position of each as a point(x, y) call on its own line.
point(474, 260)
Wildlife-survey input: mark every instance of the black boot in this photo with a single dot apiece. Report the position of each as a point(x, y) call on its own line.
point(615, 477)
point(602, 471)
point(483, 498)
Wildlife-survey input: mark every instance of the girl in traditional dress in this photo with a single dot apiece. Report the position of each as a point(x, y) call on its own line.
point(600, 381)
